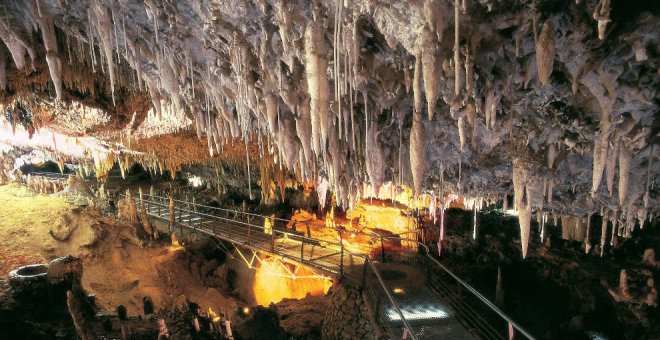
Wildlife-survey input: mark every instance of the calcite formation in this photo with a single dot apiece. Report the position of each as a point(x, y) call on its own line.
point(538, 84)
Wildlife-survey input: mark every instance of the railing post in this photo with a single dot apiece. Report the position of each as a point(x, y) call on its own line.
point(302, 251)
point(272, 240)
point(341, 255)
point(382, 249)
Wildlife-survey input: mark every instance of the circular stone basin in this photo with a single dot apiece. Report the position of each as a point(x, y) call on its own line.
point(391, 275)
point(32, 270)
point(30, 274)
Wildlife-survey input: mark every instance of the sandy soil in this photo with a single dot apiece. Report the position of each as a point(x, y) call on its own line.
point(116, 267)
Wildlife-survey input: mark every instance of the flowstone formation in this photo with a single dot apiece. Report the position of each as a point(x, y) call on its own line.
point(552, 102)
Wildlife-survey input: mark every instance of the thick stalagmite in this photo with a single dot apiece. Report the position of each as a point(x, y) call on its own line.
point(545, 52)
point(317, 83)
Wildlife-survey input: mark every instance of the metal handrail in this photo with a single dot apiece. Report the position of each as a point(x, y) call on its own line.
point(391, 298)
point(425, 248)
point(371, 234)
point(366, 263)
point(288, 234)
point(481, 297)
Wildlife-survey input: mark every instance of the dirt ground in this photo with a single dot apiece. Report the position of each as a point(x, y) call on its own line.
point(117, 269)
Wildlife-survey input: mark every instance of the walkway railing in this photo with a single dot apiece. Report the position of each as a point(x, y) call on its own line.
point(252, 231)
point(475, 311)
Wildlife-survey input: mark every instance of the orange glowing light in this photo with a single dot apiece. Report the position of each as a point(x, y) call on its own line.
point(275, 281)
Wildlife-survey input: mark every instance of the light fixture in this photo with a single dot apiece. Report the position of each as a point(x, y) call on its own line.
point(417, 313)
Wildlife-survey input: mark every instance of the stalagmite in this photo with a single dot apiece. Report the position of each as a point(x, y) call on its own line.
point(317, 84)
point(625, 156)
point(545, 52)
point(418, 151)
point(431, 70)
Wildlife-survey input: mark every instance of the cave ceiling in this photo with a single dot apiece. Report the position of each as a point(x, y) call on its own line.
point(552, 102)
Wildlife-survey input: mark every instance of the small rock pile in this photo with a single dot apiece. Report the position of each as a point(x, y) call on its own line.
point(347, 317)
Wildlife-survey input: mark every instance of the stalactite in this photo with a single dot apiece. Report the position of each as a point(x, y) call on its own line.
point(552, 154)
point(304, 130)
point(545, 52)
point(461, 132)
point(431, 70)
point(417, 85)
point(3, 70)
point(523, 208)
point(418, 151)
point(625, 155)
point(610, 166)
point(602, 15)
point(457, 57)
point(601, 142)
point(647, 192)
point(317, 84)
point(470, 110)
point(376, 160)
point(474, 221)
point(104, 28)
point(587, 241)
point(52, 56)
point(16, 49)
point(603, 234)
point(491, 103)
point(407, 80)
